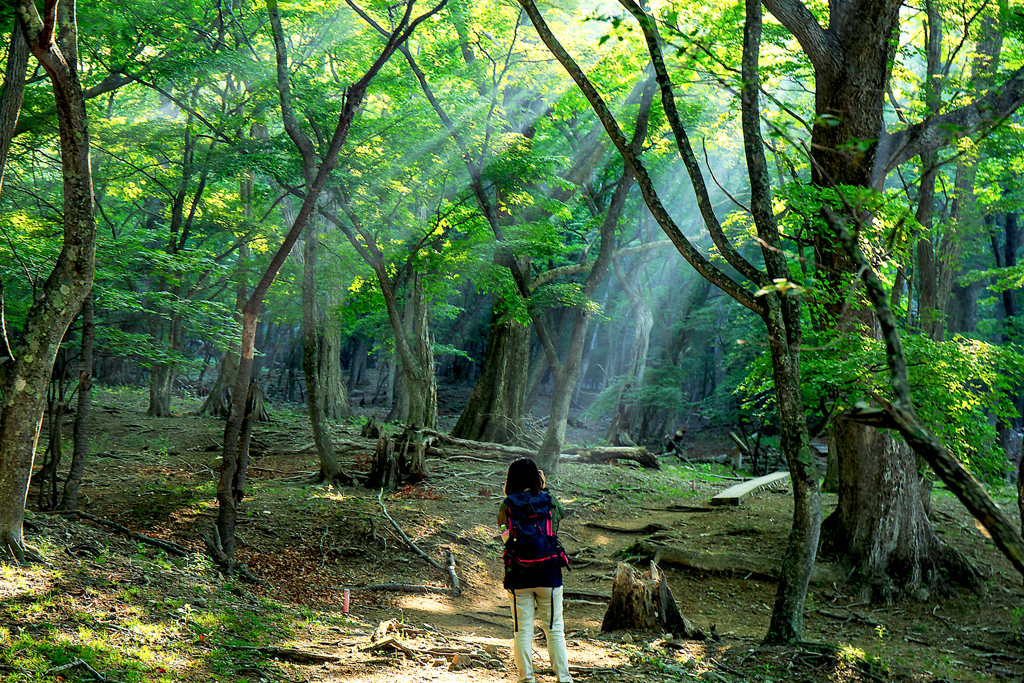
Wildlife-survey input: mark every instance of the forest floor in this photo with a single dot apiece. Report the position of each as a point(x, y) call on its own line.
point(106, 607)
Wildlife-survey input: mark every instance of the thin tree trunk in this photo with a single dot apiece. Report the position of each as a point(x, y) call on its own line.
point(357, 367)
point(230, 486)
point(587, 355)
point(330, 467)
point(636, 363)
point(414, 346)
point(161, 380)
point(332, 379)
point(81, 429)
point(13, 92)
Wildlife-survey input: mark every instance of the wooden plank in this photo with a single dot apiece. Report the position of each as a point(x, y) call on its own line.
point(734, 494)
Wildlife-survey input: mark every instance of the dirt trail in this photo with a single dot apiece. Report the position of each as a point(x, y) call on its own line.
point(132, 613)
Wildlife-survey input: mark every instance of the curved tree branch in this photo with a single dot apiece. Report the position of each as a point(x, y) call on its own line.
point(902, 415)
point(707, 269)
point(819, 45)
point(668, 102)
point(983, 114)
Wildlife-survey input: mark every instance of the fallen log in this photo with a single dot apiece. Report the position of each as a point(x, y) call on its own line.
point(647, 529)
point(289, 653)
point(600, 454)
point(508, 451)
point(398, 588)
point(727, 563)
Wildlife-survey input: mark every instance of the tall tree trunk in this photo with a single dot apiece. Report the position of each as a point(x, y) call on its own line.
point(23, 381)
point(332, 379)
point(81, 429)
point(357, 366)
point(853, 100)
point(56, 408)
point(330, 468)
point(418, 404)
point(782, 318)
point(567, 373)
point(929, 311)
point(588, 354)
point(636, 362)
point(1010, 248)
point(495, 409)
point(161, 375)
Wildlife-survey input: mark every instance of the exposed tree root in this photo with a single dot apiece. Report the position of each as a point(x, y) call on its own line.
point(19, 553)
point(225, 563)
point(401, 588)
point(168, 546)
point(939, 570)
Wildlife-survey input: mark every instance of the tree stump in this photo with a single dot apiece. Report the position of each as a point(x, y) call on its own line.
point(643, 601)
point(370, 430)
point(400, 461)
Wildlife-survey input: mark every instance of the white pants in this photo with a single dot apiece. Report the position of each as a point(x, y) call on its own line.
point(546, 605)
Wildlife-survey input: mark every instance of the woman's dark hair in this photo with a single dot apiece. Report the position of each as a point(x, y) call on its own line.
point(523, 475)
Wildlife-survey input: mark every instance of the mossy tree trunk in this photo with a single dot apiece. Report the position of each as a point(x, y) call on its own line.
point(53, 40)
point(495, 409)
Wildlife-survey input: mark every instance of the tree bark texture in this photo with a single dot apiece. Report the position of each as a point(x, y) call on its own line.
point(13, 93)
point(880, 528)
point(81, 428)
point(495, 409)
point(330, 467)
point(782, 320)
point(24, 380)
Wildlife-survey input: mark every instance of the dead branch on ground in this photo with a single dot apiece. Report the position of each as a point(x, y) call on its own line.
point(168, 546)
point(646, 529)
point(289, 653)
point(727, 563)
point(405, 538)
point(85, 665)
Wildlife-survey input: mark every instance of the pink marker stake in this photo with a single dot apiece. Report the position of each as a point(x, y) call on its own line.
point(344, 602)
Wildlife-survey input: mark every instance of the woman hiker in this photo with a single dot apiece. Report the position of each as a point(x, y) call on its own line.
point(529, 518)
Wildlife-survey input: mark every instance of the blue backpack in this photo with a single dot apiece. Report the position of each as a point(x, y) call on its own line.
point(532, 543)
